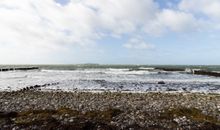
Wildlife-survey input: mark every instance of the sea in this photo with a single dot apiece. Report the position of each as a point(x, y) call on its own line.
point(115, 78)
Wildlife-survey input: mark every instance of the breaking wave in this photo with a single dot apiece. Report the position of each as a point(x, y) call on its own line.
point(110, 79)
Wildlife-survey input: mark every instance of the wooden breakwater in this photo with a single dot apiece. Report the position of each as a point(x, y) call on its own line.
point(18, 68)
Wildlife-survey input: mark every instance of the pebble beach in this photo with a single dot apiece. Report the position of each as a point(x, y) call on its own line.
point(109, 64)
point(105, 97)
point(108, 110)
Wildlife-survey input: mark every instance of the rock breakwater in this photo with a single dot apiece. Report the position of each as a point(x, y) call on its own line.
point(21, 68)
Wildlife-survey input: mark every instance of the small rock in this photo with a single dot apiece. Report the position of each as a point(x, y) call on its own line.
point(161, 82)
point(71, 120)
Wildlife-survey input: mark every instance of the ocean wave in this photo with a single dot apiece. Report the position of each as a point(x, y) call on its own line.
point(110, 79)
point(103, 71)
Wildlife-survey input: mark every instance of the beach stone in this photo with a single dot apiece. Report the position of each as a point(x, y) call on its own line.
point(143, 110)
point(15, 128)
point(71, 120)
point(161, 82)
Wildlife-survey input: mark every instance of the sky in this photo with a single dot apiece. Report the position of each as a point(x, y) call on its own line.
point(110, 32)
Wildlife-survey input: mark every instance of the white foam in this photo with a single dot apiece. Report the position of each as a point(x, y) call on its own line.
point(146, 68)
point(85, 79)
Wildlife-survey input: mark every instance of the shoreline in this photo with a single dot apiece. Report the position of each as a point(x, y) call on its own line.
point(171, 91)
point(110, 110)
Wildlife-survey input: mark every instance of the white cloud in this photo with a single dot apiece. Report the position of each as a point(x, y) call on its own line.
point(46, 22)
point(42, 27)
point(124, 16)
point(176, 20)
point(171, 20)
point(210, 8)
point(34, 29)
point(206, 11)
point(138, 43)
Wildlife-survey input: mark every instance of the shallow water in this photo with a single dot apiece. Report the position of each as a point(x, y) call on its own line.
point(94, 78)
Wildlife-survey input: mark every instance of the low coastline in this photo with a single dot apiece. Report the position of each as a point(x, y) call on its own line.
point(109, 110)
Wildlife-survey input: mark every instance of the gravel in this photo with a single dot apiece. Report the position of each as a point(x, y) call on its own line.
point(127, 110)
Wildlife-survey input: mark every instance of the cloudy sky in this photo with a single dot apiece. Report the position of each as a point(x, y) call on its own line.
point(110, 31)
